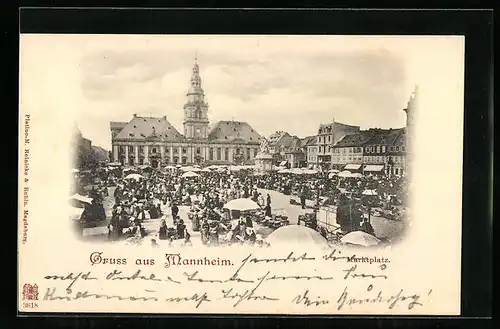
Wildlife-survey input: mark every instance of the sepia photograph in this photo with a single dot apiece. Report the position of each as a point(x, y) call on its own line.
point(240, 174)
point(197, 141)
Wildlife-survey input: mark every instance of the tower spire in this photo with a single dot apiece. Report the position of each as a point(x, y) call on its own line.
point(195, 109)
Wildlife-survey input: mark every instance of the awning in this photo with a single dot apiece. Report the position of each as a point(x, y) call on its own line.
point(374, 167)
point(283, 163)
point(352, 166)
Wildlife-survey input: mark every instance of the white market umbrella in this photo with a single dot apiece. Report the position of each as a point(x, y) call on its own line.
point(310, 172)
point(134, 176)
point(194, 169)
point(369, 192)
point(283, 171)
point(345, 173)
point(190, 174)
point(81, 198)
point(298, 235)
point(360, 238)
point(356, 175)
point(128, 169)
point(242, 204)
point(331, 175)
point(170, 167)
point(187, 168)
point(206, 170)
point(73, 171)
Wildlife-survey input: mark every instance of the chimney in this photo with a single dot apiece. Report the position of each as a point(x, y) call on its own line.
point(135, 115)
point(164, 117)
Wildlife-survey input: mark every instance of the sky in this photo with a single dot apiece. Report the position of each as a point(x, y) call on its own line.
point(290, 83)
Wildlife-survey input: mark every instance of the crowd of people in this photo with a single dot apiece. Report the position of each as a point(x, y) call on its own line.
point(148, 194)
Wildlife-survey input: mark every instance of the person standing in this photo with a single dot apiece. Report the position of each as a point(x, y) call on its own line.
point(268, 200)
point(175, 210)
point(303, 198)
point(267, 210)
point(163, 230)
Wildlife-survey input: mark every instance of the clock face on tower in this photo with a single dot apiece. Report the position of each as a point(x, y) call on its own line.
point(198, 131)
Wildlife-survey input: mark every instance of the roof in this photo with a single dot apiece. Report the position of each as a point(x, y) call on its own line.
point(308, 141)
point(384, 136)
point(357, 139)
point(295, 145)
point(275, 137)
point(401, 139)
point(233, 131)
point(149, 127)
point(335, 125)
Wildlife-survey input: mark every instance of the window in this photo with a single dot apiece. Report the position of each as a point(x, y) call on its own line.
point(226, 154)
point(378, 149)
point(131, 149)
point(402, 148)
point(121, 149)
point(198, 150)
point(383, 149)
point(211, 153)
point(141, 149)
point(219, 151)
point(255, 152)
point(184, 150)
point(154, 149)
point(248, 153)
point(329, 138)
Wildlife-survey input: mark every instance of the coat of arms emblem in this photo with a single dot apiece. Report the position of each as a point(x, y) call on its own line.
point(30, 292)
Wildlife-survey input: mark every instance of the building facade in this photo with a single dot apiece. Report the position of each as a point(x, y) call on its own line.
point(155, 141)
point(349, 150)
point(328, 135)
point(312, 155)
point(380, 151)
point(297, 152)
point(280, 144)
point(376, 151)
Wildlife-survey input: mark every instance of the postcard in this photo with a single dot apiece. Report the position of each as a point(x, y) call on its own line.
point(240, 174)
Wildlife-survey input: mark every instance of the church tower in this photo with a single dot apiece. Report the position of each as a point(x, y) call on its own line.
point(196, 110)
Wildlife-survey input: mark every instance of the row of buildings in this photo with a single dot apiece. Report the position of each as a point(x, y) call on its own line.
point(346, 147)
point(155, 141)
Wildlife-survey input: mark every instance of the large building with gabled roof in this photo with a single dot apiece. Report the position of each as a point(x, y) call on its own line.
point(155, 141)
